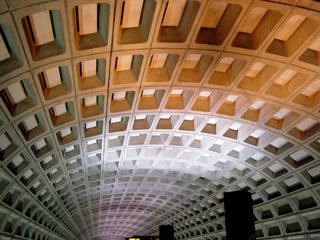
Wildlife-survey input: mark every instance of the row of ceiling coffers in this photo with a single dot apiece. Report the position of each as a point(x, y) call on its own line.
point(117, 116)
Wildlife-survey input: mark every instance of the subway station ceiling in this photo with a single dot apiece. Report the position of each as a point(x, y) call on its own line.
point(118, 116)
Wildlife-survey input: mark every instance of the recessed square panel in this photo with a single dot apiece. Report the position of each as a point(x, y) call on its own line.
point(65, 132)
point(299, 155)
point(4, 53)
point(174, 13)
point(214, 14)
point(291, 25)
point(278, 142)
point(40, 144)
point(314, 172)
point(191, 61)
point(89, 68)
point(306, 124)
point(28, 174)
point(17, 92)
point(53, 171)
point(4, 142)
point(148, 92)
point(124, 63)
point(158, 60)
point(132, 13)
point(290, 182)
point(119, 95)
point(17, 160)
point(282, 113)
point(285, 77)
point(52, 77)
point(30, 123)
point(276, 168)
point(232, 98)
point(258, 156)
point(88, 22)
point(47, 159)
point(59, 109)
point(205, 94)
point(91, 142)
point(312, 88)
point(257, 133)
point(90, 124)
point(115, 119)
point(90, 101)
point(235, 126)
point(176, 92)
point(140, 116)
point(257, 105)
point(69, 148)
point(224, 64)
point(42, 27)
point(255, 70)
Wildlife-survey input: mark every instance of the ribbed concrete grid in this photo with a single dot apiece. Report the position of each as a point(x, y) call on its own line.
point(118, 116)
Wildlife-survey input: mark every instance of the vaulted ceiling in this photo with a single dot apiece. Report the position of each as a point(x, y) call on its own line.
point(118, 116)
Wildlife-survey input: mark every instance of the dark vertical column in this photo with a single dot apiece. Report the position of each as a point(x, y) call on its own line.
point(166, 232)
point(239, 217)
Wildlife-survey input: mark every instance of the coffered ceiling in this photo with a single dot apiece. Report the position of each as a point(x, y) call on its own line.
point(117, 116)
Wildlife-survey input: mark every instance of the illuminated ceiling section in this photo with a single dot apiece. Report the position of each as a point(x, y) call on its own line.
point(119, 116)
